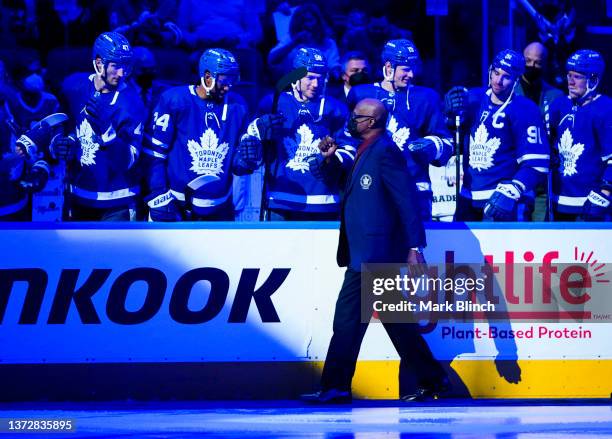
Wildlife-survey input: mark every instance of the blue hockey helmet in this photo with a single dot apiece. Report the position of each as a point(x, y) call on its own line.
point(311, 58)
point(400, 53)
point(509, 61)
point(112, 47)
point(218, 62)
point(587, 62)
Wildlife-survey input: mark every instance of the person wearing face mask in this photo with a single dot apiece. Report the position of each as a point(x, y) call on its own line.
point(294, 190)
point(355, 71)
point(31, 102)
point(535, 88)
point(531, 83)
point(379, 223)
point(582, 133)
point(507, 155)
point(416, 122)
point(143, 77)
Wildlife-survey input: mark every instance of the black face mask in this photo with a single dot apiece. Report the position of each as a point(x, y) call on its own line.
point(359, 78)
point(352, 128)
point(532, 73)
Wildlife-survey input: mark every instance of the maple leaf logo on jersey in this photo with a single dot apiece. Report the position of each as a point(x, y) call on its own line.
point(207, 156)
point(482, 149)
point(570, 153)
point(301, 147)
point(399, 135)
point(89, 147)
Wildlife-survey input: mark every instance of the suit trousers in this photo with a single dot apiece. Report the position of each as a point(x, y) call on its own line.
point(418, 368)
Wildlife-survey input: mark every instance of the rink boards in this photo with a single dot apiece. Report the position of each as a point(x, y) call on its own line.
point(225, 305)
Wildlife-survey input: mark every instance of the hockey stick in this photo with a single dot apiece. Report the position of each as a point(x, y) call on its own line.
point(53, 119)
point(550, 217)
point(457, 160)
point(282, 84)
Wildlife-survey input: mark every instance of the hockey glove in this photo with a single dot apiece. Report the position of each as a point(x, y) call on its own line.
point(34, 143)
point(596, 207)
point(455, 101)
point(163, 208)
point(315, 164)
point(502, 204)
point(425, 148)
point(251, 151)
point(64, 148)
point(270, 126)
point(36, 178)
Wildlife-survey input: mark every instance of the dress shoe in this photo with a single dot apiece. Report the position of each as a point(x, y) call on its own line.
point(427, 393)
point(331, 396)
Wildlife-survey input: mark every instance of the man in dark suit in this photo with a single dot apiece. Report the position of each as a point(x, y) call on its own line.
point(380, 223)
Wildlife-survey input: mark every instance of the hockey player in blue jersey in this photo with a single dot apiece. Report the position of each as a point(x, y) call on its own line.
point(416, 122)
point(309, 117)
point(582, 128)
point(507, 155)
point(102, 153)
point(199, 140)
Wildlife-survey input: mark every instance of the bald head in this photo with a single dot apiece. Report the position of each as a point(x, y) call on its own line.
point(535, 55)
point(368, 119)
point(371, 107)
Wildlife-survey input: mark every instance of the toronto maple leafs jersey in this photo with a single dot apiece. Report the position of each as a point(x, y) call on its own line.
point(583, 142)
point(505, 144)
point(414, 112)
point(104, 174)
point(291, 186)
point(195, 145)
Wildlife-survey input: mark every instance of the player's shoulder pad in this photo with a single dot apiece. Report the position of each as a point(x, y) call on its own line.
point(235, 98)
point(424, 91)
point(425, 94)
point(605, 102)
point(602, 109)
point(522, 104)
point(128, 92)
point(178, 96)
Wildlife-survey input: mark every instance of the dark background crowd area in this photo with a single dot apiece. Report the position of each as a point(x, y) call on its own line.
point(60, 33)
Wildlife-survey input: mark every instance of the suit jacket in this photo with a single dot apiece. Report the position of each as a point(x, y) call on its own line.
point(380, 218)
